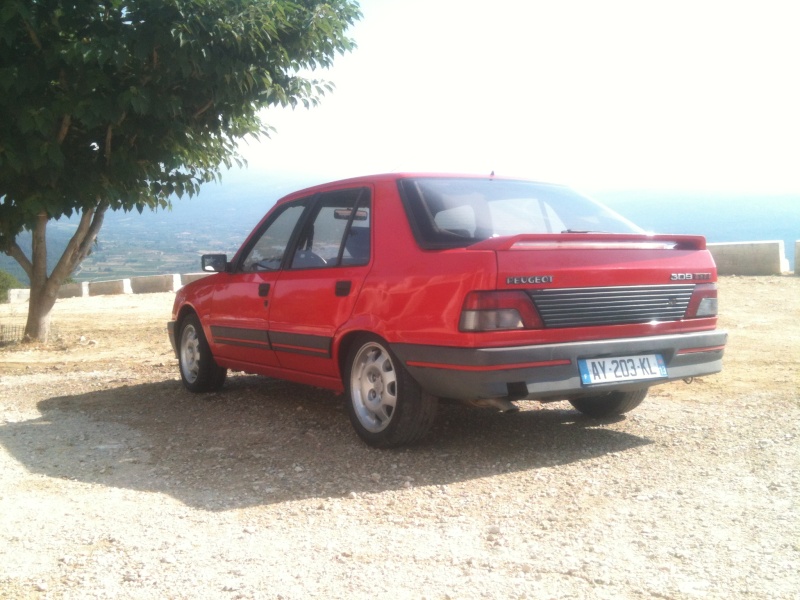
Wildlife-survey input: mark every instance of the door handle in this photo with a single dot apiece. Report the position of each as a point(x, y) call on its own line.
point(343, 288)
point(263, 289)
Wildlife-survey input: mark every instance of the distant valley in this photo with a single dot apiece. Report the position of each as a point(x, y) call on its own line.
point(167, 241)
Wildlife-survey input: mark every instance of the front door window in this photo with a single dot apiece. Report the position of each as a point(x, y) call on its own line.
point(267, 252)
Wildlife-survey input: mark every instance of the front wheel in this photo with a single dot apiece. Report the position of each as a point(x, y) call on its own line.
point(609, 405)
point(199, 370)
point(386, 405)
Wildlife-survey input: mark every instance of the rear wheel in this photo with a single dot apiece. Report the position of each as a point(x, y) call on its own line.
point(386, 405)
point(611, 404)
point(199, 370)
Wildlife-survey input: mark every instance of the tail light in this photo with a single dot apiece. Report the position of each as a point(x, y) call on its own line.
point(498, 311)
point(703, 302)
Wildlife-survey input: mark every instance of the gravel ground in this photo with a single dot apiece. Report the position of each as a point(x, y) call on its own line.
point(115, 482)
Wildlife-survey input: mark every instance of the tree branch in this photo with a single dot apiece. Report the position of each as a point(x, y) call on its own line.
point(66, 121)
point(32, 34)
point(109, 129)
point(204, 108)
point(94, 229)
point(19, 255)
point(80, 244)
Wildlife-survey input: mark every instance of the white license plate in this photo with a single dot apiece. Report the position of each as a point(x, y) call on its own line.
point(625, 368)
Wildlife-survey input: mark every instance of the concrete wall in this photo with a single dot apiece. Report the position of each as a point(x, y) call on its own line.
point(190, 277)
point(109, 288)
point(134, 285)
point(155, 283)
point(750, 258)
point(18, 296)
point(797, 257)
point(74, 290)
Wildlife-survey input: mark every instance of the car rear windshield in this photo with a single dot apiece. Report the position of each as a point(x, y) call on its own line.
point(458, 212)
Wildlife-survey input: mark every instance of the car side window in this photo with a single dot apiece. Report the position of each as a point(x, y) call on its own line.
point(337, 232)
point(459, 220)
point(267, 252)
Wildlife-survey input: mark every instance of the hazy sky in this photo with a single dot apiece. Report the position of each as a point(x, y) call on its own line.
point(692, 95)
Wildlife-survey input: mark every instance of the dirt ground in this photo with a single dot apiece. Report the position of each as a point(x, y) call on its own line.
point(115, 482)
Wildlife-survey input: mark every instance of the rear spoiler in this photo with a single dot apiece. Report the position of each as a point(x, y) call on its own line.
point(594, 241)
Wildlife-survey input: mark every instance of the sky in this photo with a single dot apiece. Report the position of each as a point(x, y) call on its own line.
point(699, 95)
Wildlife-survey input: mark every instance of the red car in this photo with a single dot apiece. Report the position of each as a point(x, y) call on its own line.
point(402, 289)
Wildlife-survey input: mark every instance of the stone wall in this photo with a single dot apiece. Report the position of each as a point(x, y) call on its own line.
point(750, 258)
point(133, 285)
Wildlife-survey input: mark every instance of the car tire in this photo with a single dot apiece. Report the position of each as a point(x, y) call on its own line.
point(611, 404)
point(387, 407)
point(199, 370)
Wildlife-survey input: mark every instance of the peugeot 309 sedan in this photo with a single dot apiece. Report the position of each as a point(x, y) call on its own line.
point(403, 289)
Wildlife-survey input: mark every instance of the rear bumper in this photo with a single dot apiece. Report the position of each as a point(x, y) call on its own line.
point(551, 371)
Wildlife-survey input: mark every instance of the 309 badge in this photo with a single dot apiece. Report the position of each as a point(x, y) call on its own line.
point(690, 276)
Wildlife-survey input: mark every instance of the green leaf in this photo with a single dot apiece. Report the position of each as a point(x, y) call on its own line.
point(129, 102)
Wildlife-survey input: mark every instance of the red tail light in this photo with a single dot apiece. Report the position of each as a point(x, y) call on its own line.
point(498, 311)
point(703, 302)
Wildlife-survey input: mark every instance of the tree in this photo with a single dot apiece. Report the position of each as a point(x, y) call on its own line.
point(119, 104)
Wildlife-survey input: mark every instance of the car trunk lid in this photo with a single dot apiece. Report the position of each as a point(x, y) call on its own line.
point(586, 279)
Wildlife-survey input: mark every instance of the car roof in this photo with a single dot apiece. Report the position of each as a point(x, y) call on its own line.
point(383, 177)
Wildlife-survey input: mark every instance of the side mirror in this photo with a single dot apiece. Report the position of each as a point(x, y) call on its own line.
point(214, 263)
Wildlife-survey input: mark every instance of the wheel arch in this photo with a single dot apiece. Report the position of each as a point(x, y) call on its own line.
point(185, 310)
point(343, 345)
point(357, 325)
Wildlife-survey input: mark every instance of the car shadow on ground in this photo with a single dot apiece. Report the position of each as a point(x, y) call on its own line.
point(262, 441)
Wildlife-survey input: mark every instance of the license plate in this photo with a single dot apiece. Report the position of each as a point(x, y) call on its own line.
point(625, 368)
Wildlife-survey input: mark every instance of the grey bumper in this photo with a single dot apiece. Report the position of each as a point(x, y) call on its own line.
point(551, 371)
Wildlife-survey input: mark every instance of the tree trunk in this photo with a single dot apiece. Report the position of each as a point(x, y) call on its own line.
point(40, 305)
point(44, 288)
point(43, 298)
